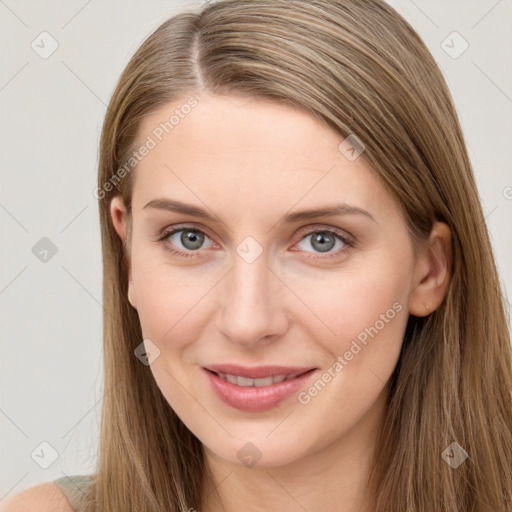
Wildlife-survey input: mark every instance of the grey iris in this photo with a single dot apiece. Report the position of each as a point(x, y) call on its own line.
point(325, 241)
point(193, 238)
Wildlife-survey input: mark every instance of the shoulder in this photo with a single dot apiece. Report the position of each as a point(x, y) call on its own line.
point(46, 497)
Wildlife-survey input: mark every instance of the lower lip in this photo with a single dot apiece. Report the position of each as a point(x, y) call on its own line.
point(255, 399)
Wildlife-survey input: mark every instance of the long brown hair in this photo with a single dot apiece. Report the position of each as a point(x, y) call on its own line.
point(359, 67)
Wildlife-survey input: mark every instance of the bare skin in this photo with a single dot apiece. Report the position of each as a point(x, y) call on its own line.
point(45, 497)
point(299, 303)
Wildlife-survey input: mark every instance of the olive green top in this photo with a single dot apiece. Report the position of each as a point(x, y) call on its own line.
point(73, 487)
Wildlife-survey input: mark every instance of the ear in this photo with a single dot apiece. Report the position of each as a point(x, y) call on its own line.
point(120, 220)
point(432, 274)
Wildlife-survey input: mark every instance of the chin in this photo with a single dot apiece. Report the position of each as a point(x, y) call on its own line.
point(260, 450)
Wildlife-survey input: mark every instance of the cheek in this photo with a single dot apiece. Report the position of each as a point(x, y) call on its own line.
point(169, 299)
point(359, 305)
point(369, 323)
point(367, 310)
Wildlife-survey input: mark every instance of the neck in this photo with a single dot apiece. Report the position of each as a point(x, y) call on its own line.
point(333, 477)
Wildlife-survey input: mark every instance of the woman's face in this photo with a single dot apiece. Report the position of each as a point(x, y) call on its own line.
point(247, 282)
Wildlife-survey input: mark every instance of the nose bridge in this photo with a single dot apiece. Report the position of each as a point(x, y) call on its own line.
point(249, 311)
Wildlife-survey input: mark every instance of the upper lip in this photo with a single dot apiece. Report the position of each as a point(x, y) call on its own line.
point(257, 372)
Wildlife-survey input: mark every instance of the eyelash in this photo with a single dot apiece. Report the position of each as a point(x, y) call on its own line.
point(348, 243)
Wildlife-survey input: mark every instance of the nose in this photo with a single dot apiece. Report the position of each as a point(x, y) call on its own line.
point(252, 304)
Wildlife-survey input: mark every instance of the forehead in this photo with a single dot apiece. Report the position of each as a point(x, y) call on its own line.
point(248, 155)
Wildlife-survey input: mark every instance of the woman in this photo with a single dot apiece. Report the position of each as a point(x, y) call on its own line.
point(261, 354)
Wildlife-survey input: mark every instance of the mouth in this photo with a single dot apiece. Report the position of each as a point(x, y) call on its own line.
point(258, 372)
point(256, 389)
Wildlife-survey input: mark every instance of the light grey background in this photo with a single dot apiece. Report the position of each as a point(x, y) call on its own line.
point(52, 110)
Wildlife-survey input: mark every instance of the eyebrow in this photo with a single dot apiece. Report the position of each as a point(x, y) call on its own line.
point(289, 218)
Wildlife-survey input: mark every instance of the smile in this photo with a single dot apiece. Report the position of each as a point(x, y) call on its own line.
point(256, 389)
point(246, 382)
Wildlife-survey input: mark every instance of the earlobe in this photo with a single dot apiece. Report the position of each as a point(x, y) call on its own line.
point(131, 293)
point(119, 215)
point(432, 272)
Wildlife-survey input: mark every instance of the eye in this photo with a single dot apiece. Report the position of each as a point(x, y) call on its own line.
point(325, 240)
point(184, 241)
point(191, 239)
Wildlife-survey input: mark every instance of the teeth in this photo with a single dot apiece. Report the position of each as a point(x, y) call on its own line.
point(231, 378)
point(267, 381)
point(242, 381)
point(246, 382)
